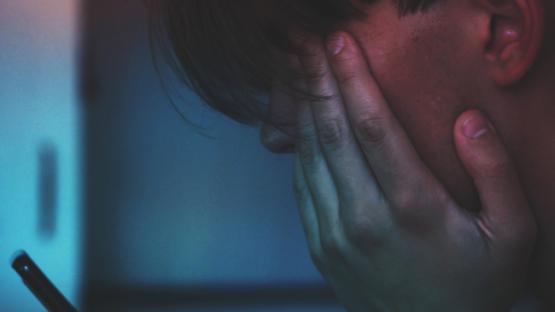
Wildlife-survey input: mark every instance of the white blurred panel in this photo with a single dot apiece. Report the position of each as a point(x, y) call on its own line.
point(39, 116)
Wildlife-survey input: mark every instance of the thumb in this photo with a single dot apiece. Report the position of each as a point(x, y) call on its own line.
point(505, 207)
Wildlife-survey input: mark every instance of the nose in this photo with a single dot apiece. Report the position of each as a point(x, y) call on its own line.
point(278, 141)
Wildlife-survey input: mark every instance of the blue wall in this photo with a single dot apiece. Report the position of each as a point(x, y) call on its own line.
point(166, 205)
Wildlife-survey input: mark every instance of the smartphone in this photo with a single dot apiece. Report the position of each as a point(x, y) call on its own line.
point(39, 284)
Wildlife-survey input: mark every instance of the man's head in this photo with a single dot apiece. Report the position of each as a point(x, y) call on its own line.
point(232, 52)
point(433, 60)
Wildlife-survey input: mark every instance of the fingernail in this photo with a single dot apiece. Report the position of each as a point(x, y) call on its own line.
point(335, 44)
point(476, 126)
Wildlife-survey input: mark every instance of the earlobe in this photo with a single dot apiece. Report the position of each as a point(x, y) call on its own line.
point(517, 33)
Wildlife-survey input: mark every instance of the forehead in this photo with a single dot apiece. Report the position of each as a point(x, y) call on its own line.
point(375, 33)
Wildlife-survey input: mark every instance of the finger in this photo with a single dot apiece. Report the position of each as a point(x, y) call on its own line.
point(307, 211)
point(396, 165)
point(310, 225)
point(505, 207)
point(349, 169)
point(320, 183)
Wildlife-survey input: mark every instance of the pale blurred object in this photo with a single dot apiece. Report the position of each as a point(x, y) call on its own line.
point(39, 188)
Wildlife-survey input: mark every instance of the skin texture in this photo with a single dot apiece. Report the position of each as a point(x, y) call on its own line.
point(414, 60)
point(382, 243)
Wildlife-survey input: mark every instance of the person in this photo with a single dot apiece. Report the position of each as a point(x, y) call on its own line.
point(423, 132)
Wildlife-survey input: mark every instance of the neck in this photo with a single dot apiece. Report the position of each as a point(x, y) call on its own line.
point(528, 129)
point(531, 139)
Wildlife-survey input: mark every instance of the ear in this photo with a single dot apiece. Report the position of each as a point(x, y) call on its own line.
point(515, 38)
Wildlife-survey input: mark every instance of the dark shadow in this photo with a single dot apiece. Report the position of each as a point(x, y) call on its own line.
point(48, 189)
point(134, 296)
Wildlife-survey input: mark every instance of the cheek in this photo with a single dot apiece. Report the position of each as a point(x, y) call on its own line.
point(418, 83)
point(415, 81)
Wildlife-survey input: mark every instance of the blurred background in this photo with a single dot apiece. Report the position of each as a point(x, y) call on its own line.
point(123, 204)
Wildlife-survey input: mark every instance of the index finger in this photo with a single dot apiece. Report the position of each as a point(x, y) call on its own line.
point(396, 165)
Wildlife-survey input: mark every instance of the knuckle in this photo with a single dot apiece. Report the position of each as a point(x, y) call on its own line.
point(361, 233)
point(315, 71)
point(307, 155)
point(305, 149)
point(405, 201)
point(306, 131)
point(332, 134)
point(331, 247)
point(371, 130)
point(413, 213)
point(347, 76)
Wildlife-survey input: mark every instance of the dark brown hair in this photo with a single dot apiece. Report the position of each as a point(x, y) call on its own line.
point(229, 51)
